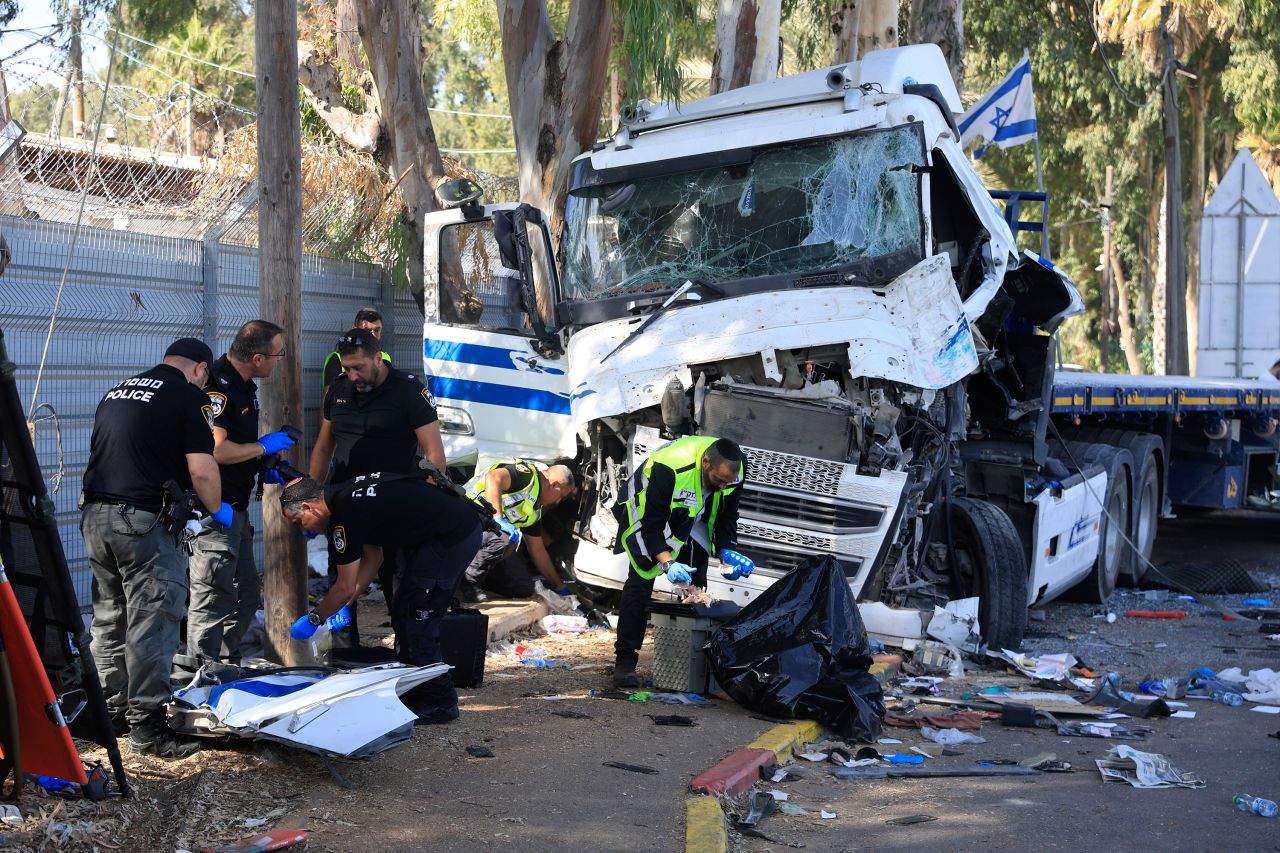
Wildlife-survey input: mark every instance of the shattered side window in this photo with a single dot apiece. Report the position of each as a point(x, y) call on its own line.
point(798, 209)
point(494, 287)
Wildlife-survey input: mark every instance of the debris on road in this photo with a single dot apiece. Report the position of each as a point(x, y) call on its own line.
point(1144, 769)
point(1099, 729)
point(480, 752)
point(911, 819)
point(1258, 805)
point(1053, 667)
point(1155, 614)
point(633, 768)
point(950, 737)
point(276, 839)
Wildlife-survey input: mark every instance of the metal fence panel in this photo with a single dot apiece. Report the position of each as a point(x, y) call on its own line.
point(127, 297)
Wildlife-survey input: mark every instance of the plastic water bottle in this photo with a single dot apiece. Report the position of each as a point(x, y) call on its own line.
point(1257, 805)
point(1235, 700)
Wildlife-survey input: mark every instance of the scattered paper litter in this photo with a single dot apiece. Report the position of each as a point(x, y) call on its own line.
point(1266, 709)
point(922, 752)
point(1263, 685)
point(780, 796)
point(778, 776)
point(1050, 667)
point(788, 808)
point(1144, 769)
point(1174, 703)
point(950, 737)
point(826, 815)
point(1184, 715)
point(888, 740)
point(814, 756)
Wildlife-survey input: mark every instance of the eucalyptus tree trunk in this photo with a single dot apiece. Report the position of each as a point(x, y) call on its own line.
point(556, 87)
point(1199, 97)
point(941, 22)
point(392, 36)
point(844, 28)
point(747, 45)
point(877, 26)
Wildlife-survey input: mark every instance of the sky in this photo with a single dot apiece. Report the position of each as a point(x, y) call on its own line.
point(36, 19)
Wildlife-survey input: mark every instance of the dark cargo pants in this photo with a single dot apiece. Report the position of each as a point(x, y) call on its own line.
point(429, 574)
point(226, 590)
point(139, 589)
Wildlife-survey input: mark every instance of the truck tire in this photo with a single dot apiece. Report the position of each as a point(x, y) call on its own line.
point(1148, 479)
point(1114, 552)
point(993, 566)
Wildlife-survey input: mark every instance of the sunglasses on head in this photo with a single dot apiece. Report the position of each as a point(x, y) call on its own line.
point(353, 340)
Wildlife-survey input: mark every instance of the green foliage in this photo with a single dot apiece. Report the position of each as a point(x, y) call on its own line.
point(8, 11)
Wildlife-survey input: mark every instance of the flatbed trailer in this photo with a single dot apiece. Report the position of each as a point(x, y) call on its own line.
point(1215, 439)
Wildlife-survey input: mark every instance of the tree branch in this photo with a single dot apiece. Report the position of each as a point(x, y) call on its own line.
point(322, 86)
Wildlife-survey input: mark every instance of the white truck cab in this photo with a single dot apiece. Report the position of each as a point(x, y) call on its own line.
point(809, 266)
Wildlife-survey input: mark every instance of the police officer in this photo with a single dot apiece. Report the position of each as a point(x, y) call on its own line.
point(518, 490)
point(374, 418)
point(367, 319)
point(225, 588)
point(150, 429)
point(435, 535)
point(682, 504)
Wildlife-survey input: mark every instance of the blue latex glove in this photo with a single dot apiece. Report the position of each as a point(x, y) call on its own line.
point(303, 629)
point(274, 442)
point(272, 477)
point(339, 620)
point(224, 515)
point(308, 535)
point(739, 565)
point(679, 573)
point(510, 529)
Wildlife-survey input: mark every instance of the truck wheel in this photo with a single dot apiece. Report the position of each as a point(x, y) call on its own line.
point(1114, 553)
point(1146, 515)
point(992, 565)
point(1148, 501)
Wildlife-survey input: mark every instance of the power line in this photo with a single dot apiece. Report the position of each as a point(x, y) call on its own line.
point(182, 83)
point(1088, 13)
point(183, 55)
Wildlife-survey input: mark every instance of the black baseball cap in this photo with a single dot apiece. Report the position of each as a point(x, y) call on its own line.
point(190, 348)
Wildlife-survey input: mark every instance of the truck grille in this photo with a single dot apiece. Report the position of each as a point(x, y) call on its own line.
point(808, 512)
point(798, 473)
point(785, 561)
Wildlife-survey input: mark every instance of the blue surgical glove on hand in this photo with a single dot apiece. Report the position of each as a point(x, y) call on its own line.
point(679, 573)
point(272, 477)
point(510, 529)
point(308, 535)
point(274, 442)
point(303, 629)
point(339, 620)
point(740, 566)
point(224, 515)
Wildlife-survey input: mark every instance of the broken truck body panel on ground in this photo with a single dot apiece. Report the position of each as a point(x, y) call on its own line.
point(815, 271)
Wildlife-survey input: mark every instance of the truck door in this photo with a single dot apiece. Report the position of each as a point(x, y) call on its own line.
point(491, 351)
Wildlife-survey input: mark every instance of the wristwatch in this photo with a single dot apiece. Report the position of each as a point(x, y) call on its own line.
point(666, 564)
point(314, 618)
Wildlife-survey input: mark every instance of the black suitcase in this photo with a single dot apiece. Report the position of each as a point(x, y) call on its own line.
point(464, 637)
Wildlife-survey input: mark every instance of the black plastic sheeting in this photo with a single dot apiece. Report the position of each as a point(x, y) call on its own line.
point(800, 650)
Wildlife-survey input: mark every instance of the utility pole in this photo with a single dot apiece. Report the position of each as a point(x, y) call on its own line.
point(1104, 302)
point(280, 300)
point(1176, 361)
point(77, 75)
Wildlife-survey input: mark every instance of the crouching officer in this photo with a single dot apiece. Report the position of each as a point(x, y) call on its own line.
point(518, 491)
point(680, 505)
point(435, 535)
point(147, 431)
point(225, 588)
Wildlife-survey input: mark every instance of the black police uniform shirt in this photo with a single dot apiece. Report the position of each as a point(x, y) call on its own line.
point(142, 431)
point(395, 513)
point(374, 430)
point(234, 402)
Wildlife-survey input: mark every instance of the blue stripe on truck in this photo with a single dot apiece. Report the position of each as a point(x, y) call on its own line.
point(470, 391)
point(484, 356)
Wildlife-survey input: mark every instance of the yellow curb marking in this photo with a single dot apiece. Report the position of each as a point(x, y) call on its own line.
point(704, 830)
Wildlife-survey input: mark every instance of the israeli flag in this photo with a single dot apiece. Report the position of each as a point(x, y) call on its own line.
point(1005, 116)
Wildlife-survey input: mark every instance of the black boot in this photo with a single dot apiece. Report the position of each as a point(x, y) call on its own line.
point(154, 737)
point(471, 593)
point(624, 674)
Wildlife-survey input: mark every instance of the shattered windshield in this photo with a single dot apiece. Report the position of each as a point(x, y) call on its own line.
point(802, 208)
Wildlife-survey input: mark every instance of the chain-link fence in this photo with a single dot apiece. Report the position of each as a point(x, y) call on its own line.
point(127, 296)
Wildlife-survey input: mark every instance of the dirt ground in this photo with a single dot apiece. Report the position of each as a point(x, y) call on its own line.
point(547, 789)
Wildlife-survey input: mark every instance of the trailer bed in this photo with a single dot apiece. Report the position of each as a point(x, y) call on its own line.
point(1076, 394)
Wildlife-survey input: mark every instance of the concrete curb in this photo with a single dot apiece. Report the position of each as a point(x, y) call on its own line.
point(704, 818)
point(507, 617)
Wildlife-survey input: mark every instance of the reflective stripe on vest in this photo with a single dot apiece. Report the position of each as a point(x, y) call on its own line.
point(519, 507)
point(684, 457)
